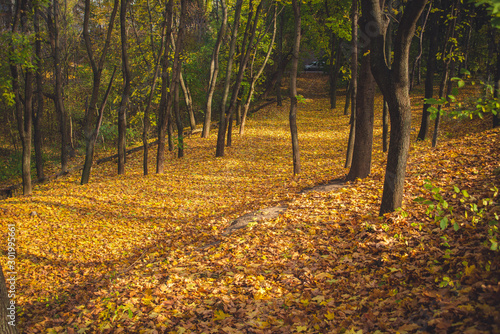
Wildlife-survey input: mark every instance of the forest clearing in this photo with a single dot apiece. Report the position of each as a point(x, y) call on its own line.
point(146, 254)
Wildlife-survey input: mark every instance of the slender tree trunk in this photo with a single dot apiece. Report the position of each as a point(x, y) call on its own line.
point(416, 63)
point(214, 72)
point(279, 98)
point(122, 109)
point(89, 152)
point(496, 117)
point(92, 109)
point(256, 77)
point(147, 121)
point(447, 49)
point(38, 112)
point(334, 76)
point(222, 114)
point(429, 78)
point(362, 152)
point(385, 108)
point(348, 95)
point(189, 103)
point(293, 87)
point(59, 95)
point(165, 102)
point(23, 112)
point(354, 83)
point(394, 84)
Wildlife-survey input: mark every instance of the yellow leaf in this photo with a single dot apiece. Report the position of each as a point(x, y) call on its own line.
point(301, 328)
point(220, 315)
point(330, 315)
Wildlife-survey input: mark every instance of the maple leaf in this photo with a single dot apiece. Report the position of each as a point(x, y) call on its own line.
point(220, 315)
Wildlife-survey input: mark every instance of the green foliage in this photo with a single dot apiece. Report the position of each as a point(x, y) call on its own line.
point(471, 211)
point(493, 7)
point(485, 104)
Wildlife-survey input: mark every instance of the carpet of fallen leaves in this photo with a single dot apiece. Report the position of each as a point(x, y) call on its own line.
point(125, 254)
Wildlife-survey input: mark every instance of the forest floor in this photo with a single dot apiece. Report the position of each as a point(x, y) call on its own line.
point(151, 254)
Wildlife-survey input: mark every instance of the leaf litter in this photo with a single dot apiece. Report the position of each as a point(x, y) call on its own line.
point(124, 254)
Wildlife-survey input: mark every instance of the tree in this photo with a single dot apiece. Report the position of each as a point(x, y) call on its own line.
point(21, 58)
point(97, 69)
point(122, 110)
point(214, 72)
point(394, 84)
point(434, 32)
point(165, 102)
point(293, 87)
point(53, 25)
point(363, 142)
point(354, 84)
point(232, 47)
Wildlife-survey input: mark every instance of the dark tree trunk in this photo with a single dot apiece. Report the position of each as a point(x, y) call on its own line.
point(250, 35)
point(92, 110)
point(177, 78)
point(354, 84)
point(394, 84)
point(255, 78)
point(447, 49)
point(385, 108)
point(214, 72)
point(222, 114)
point(348, 95)
point(38, 112)
point(416, 63)
point(362, 153)
point(165, 102)
point(293, 87)
point(429, 77)
point(89, 152)
point(496, 117)
point(122, 109)
point(23, 113)
point(53, 24)
point(279, 98)
point(147, 121)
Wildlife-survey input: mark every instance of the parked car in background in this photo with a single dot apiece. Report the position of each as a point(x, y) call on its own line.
point(319, 65)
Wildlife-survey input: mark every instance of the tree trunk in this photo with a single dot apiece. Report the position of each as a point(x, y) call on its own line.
point(222, 114)
point(293, 87)
point(147, 121)
point(496, 117)
point(416, 63)
point(122, 109)
point(385, 108)
point(354, 84)
point(37, 113)
point(362, 152)
point(279, 99)
point(97, 68)
point(165, 102)
point(214, 72)
point(250, 35)
point(7, 307)
point(58, 93)
point(256, 77)
point(90, 145)
point(348, 94)
point(189, 103)
point(429, 78)
point(446, 62)
point(394, 84)
point(23, 113)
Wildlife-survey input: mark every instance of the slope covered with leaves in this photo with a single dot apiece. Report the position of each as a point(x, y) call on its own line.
point(127, 253)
